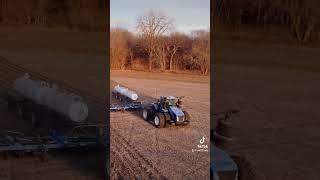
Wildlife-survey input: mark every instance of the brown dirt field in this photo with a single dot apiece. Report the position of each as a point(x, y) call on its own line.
point(165, 152)
point(79, 60)
point(168, 76)
point(277, 128)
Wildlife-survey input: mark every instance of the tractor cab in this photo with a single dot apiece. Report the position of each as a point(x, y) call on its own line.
point(167, 101)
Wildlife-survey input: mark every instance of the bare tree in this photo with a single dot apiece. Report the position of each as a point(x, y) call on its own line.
point(201, 51)
point(118, 48)
point(161, 52)
point(177, 42)
point(153, 25)
point(301, 17)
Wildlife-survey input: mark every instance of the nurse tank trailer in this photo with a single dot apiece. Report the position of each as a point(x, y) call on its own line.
point(35, 100)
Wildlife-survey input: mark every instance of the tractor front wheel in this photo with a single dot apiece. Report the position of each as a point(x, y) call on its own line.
point(186, 115)
point(159, 120)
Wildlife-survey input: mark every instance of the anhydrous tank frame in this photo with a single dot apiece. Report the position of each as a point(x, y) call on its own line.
point(79, 137)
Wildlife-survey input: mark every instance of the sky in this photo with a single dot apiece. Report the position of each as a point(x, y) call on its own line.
point(188, 15)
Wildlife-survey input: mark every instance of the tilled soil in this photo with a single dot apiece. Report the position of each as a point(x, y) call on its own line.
point(277, 129)
point(77, 165)
point(138, 149)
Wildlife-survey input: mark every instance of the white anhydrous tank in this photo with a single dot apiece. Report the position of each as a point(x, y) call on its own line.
point(126, 92)
point(68, 105)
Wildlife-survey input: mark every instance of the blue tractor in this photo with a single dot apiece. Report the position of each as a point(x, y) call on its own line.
point(168, 109)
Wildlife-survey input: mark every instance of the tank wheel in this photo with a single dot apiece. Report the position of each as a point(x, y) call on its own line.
point(145, 113)
point(159, 120)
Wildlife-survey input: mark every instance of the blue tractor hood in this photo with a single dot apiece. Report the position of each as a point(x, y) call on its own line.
point(177, 111)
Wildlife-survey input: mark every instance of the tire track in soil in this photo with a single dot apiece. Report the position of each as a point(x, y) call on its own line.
point(140, 167)
point(243, 102)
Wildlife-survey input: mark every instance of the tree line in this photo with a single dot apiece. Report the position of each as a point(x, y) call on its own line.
point(81, 14)
point(300, 17)
point(157, 46)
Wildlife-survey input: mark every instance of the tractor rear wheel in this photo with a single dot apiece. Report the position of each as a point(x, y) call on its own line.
point(159, 120)
point(147, 113)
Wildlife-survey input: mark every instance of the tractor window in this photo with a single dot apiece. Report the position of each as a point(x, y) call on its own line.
point(171, 102)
